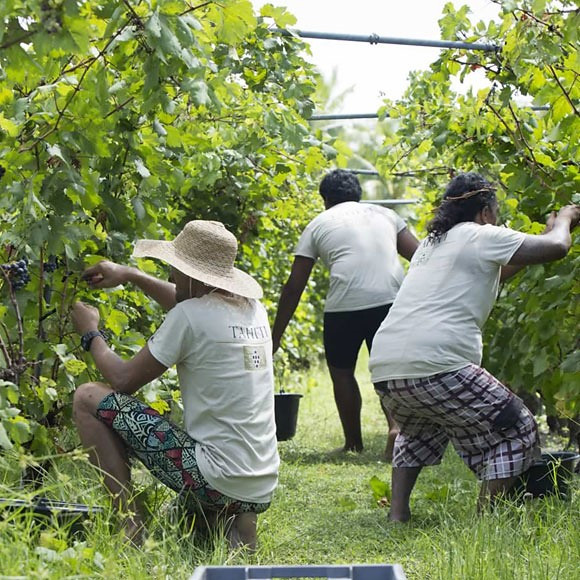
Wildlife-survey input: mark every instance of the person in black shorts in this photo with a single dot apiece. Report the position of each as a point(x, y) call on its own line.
point(359, 244)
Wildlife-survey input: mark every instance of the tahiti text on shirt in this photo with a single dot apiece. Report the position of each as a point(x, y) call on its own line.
point(250, 332)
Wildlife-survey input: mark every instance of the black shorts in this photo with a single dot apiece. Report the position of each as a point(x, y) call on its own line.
point(344, 333)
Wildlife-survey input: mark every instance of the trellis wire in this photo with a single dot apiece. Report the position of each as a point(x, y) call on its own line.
point(376, 39)
point(343, 116)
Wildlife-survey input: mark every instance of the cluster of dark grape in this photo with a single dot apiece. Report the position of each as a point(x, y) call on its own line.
point(51, 264)
point(17, 273)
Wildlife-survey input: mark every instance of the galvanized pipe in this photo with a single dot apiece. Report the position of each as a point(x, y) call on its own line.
point(390, 201)
point(363, 171)
point(376, 39)
point(342, 116)
point(331, 117)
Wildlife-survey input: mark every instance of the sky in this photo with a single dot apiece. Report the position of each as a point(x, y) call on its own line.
point(373, 72)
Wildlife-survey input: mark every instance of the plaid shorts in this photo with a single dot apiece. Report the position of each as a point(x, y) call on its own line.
point(490, 428)
point(168, 452)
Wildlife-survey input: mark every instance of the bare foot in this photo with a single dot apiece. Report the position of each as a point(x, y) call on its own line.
point(401, 518)
point(346, 449)
point(353, 448)
point(241, 532)
point(390, 445)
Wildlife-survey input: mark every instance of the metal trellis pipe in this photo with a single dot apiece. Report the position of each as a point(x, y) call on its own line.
point(331, 117)
point(390, 201)
point(363, 171)
point(381, 201)
point(343, 116)
point(376, 39)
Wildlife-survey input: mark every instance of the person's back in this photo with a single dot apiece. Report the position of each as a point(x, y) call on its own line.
point(358, 244)
point(435, 323)
point(226, 381)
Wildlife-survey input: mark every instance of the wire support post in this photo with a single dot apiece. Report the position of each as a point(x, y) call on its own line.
point(376, 39)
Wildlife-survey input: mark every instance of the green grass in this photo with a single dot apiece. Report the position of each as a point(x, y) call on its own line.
point(323, 513)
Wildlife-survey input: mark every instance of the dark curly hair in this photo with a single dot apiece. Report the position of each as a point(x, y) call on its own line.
point(338, 186)
point(464, 197)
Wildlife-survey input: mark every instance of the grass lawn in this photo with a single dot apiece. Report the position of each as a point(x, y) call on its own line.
point(323, 513)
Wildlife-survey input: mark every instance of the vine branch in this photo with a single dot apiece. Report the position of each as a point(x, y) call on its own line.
point(12, 41)
point(192, 8)
point(532, 163)
point(403, 156)
point(5, 353)
point(119, 107)
point(566, 95)
point(18, 319)
point(522, 137)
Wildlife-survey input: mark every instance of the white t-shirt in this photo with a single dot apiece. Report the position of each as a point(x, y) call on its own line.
point(357, 242)
point(435, 323)
point(223, 351)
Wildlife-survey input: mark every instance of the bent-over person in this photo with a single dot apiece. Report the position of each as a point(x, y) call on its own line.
point(223, 460)
point(426, 357)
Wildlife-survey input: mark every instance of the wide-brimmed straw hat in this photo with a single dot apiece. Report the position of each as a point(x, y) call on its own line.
point(205, 251)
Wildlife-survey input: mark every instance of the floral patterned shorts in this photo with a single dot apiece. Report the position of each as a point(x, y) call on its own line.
point(167, 451)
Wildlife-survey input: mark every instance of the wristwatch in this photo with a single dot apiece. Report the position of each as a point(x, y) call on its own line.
point(87, 338)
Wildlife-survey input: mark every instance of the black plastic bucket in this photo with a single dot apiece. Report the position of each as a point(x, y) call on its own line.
point(48, 511)
point(286, 413)
point(550, 475)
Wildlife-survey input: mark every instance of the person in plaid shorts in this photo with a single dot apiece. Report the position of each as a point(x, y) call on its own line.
point(426, 356)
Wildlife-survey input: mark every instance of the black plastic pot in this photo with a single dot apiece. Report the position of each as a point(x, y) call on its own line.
point(550, 475)
point(47, 511)
point(286, 413)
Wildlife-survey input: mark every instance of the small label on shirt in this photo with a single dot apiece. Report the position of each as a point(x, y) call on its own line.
point(254, 358)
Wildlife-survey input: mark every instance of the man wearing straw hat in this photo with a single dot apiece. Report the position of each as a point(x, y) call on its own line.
point(224, 461)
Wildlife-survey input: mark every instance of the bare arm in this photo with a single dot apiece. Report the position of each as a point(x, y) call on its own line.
point(123, 376)
point(108, 275)
point(508, 271)
point(290, 297)
point(511, 270)
point(551, 245)
point(406, 243)
point(161, 291)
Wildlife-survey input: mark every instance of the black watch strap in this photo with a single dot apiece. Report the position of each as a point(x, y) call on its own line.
point(87, 338)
